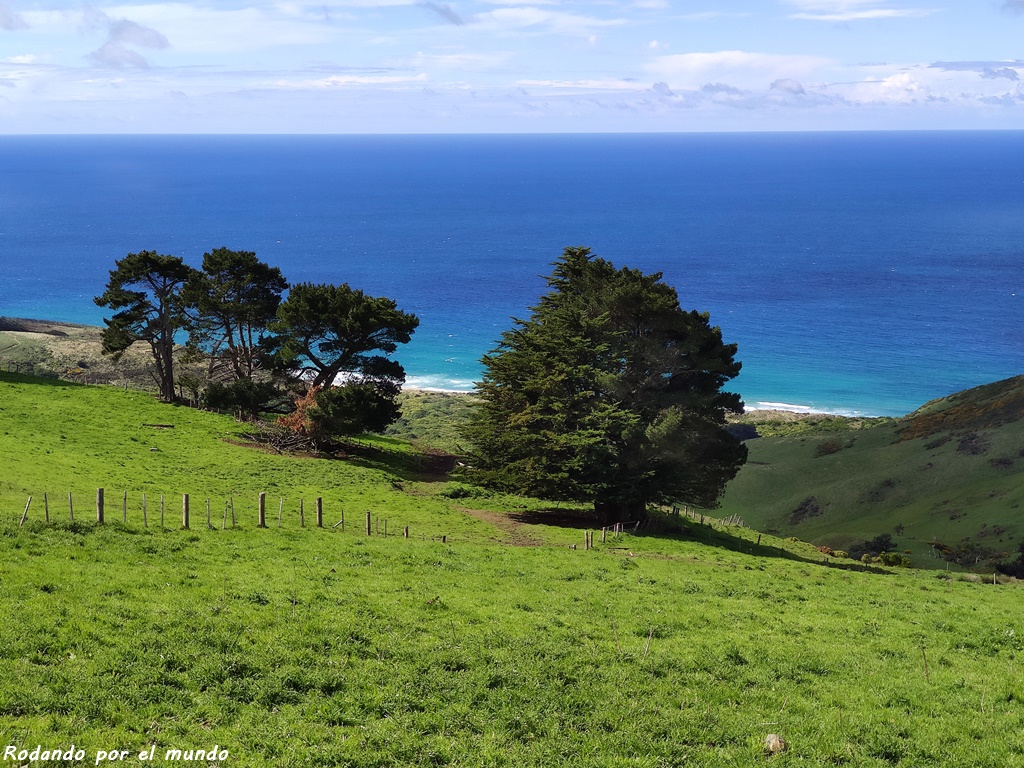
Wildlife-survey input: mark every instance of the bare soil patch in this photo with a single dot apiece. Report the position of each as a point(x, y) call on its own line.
point(517, 534)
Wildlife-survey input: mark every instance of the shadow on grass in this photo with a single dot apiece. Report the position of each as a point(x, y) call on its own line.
point(46, 381)
point(430, 465)
point(660, 527)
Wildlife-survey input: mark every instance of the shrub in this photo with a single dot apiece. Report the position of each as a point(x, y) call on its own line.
point(894, 559)
point(840, 553)
point(462, 491)
point(807, 508)
point(827, 448)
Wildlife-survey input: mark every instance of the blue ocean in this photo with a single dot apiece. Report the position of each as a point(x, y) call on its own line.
point(858, 272)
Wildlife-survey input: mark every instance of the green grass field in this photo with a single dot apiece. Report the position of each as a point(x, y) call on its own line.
point(952, 472)
point(298, 646)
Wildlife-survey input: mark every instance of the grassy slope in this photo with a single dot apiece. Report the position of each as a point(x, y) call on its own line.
point(919, 473)
point(303, 647)
point(57, 438)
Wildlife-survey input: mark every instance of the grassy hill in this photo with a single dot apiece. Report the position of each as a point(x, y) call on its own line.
point(298, 646)
point(953, 471)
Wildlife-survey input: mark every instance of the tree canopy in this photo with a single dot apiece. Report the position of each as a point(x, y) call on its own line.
point(146, 289)
point(230, 304)
point(609, 393)
point(329, 330)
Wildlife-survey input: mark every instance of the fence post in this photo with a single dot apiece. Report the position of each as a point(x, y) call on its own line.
point(71, 508)
point(280, 511)
point(208, 514)
point(263, 511)
point(184, 511)
point(145, 520)
point(124, 508)
point(369, 530)
point(406, 533)
point(231, 500)
point(99, 506)
point(319, 512)
point(46, 507)
point(302, 515)
point(24, 515)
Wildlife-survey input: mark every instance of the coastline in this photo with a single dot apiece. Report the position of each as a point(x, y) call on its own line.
point(53, 330)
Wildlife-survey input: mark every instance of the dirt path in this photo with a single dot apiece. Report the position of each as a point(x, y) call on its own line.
point(517, 534)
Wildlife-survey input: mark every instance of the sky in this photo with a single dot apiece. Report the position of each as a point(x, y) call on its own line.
point(509, 66)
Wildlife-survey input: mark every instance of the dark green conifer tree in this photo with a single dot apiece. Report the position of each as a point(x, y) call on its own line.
point(609, 393)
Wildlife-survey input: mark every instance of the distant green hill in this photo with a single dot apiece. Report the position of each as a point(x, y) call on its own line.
point(951, 472)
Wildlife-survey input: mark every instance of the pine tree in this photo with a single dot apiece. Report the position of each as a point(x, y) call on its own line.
point(609, 393)
point(146, 288)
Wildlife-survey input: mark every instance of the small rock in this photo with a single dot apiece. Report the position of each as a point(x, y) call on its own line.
point(773, 744)
point(154, 449)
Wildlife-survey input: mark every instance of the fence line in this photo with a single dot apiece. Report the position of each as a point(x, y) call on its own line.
point(375, 525)
point(373, 522)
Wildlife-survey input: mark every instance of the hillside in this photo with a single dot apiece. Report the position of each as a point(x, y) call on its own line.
point(953, 472)
point(299, 646)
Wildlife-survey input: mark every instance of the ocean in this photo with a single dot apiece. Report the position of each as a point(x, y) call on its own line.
point(858, 272)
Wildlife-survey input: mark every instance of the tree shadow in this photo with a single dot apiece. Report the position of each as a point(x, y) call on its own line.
point(418, 465)
point(663, 527)
point(45, 381)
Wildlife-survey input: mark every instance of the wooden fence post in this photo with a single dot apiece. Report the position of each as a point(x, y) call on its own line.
point(280, 511)
point(231, 501)
point(71, 508)
point(124, 508)
point(99, 505)
point(369, 530)
point(145, 520)
point(319, 512)
point(184, 511)
point(263, 511)
point(24, 515)
point(302, 514)
point(208, 514)
point(46, 507)
point(224, 522)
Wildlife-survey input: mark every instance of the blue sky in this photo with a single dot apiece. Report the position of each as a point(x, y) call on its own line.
point(369, 66)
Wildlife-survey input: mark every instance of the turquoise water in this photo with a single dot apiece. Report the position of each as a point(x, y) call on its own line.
point(861, 272)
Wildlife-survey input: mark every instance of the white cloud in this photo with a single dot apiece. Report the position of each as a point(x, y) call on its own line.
point(11, 20)
point(458, 61)
point(528, 18)
point(852, 10)
point(206, 29)
point(585, 85)
point(752, 70)
point(340, 81)
point(121, 33)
